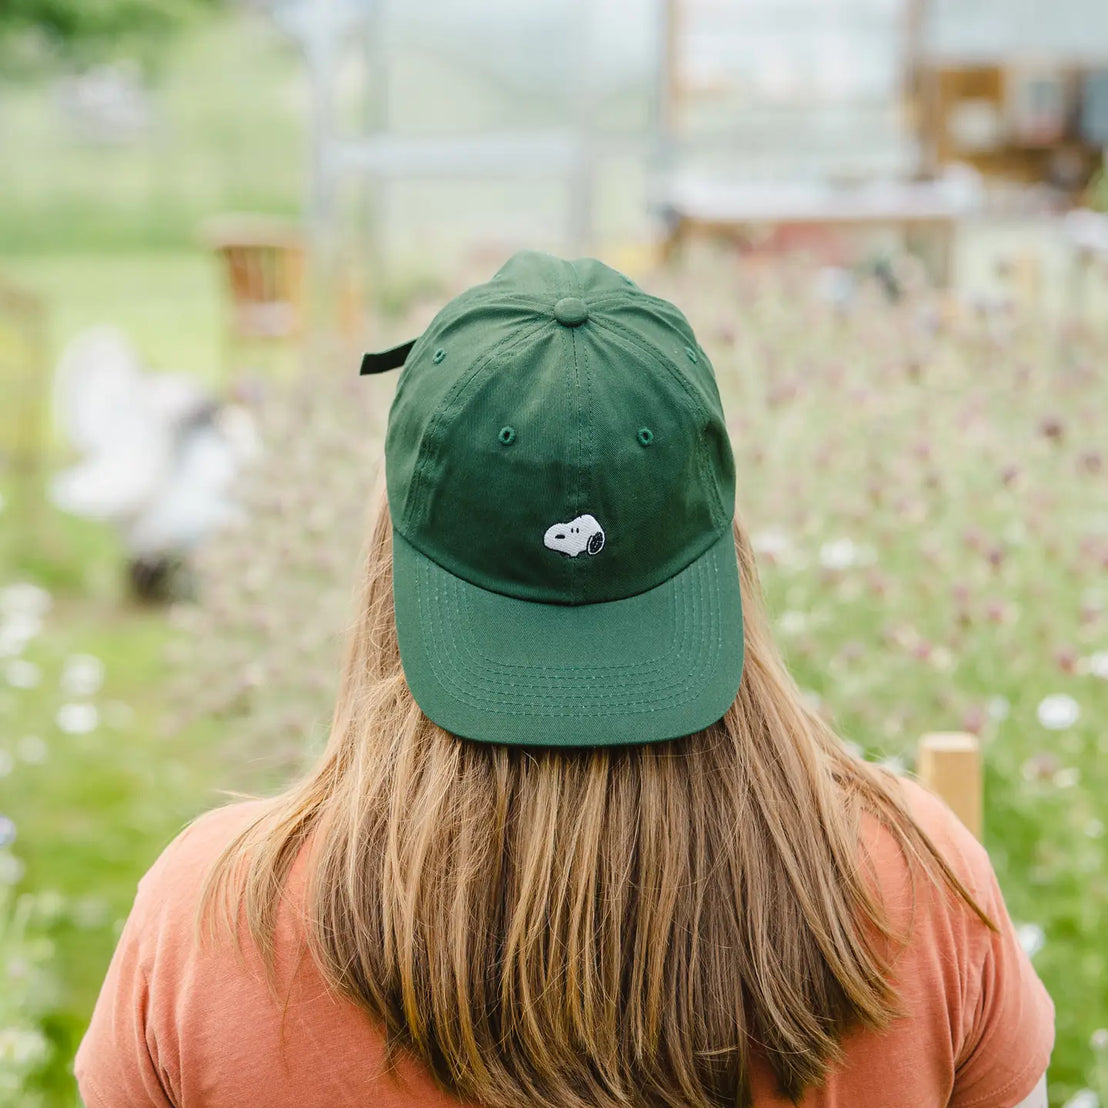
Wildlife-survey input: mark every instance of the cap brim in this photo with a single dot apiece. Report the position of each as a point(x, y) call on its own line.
point(655, 666)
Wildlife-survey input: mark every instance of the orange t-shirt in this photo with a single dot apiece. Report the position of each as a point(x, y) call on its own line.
point(183, 1025)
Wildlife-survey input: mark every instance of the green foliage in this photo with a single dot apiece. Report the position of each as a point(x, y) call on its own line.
point(1098, 191)
point(28, 986)
point(90, 782)
point(80, 29)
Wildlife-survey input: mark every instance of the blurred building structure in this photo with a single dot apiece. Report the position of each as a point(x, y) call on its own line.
point(631, 122)
point(1016, 88)
point(384, 114)
point(785, 124)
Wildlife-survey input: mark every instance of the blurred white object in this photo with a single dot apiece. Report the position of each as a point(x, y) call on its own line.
point(159, 455)
point(1086, 230)
point(106, 104)
point(82, 676)
point(1031, 937)
point(1058, 711)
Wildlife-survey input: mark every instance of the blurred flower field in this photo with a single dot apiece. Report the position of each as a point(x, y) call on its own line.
point(925, 486)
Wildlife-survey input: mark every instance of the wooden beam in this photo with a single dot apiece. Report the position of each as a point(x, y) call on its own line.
point(949, 764)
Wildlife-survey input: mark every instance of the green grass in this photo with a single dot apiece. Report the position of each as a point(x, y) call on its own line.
point(94, 813)
point(169, 303)
point(92, 810)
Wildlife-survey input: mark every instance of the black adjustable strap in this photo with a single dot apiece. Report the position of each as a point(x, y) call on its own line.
point(386, 359)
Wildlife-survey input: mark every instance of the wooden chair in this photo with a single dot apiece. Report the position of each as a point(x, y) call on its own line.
point(263, 261)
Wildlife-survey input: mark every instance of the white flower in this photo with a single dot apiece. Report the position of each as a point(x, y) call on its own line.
point(32, 750)
point(1031, 938)
point(82, 675)
point(21, 674)
point(1083, 1098)
point(7, 831)
point(22, 1047)
point(1098, 664)
point(1094, 829)
point(1098, 1040)
point(16, 631)
point(793, 622)
point(998, 708)
point(11, 869)
point(78, 719)
point(1067, 778)
point(50, 904)
point(7, 763)
point(773, 542)
point(812, 700)
point(24, 599)
point(844, 553)
point(90, 912)
point(1058, 711)
point(840, 554)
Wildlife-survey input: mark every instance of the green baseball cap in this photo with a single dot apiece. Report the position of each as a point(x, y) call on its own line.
point(562, 487)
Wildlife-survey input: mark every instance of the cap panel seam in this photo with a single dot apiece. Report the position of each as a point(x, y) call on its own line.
point(579, 467)
point(647, 347)
point(455, 310)
point(428, 442)
point(666, 308)
point(699, 408)
point(582, 491)
point(591, 436)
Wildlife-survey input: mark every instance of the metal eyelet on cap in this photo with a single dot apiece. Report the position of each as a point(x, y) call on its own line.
point(438, 356)
point(507, 435)
point(691, 353)
point(645, 436)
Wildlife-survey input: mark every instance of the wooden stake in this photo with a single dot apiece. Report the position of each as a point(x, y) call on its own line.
point(950, 765)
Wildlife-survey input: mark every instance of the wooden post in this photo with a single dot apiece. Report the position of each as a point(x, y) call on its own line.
point(949, 764)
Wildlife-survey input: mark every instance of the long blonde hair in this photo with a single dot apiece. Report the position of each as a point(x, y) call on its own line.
point(595, 928)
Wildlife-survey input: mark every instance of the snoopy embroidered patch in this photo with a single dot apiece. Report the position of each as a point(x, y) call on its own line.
point(581, 534)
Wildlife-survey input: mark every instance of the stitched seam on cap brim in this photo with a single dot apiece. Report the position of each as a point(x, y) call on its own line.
point(460, 583)
point(457, 587)
point(493, 683)
point(699, 409)
point(449, 400)
point(575, 695)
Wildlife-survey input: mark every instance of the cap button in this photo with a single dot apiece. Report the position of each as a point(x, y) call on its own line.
point(571, 311)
